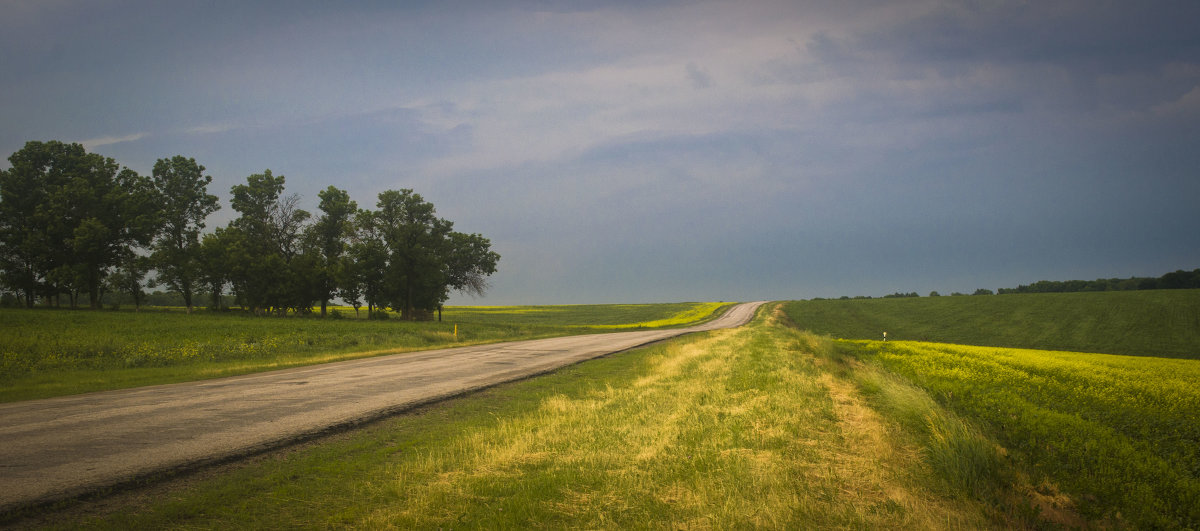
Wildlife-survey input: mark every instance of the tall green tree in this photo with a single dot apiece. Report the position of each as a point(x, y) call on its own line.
point(329, 235)
point(416, 242)
point(28, 252)
point(81, 214)
point(185, 202)
point(111, 211)
point(367, 274)
point(264, 242)
point(213, 257)
point(425, 258)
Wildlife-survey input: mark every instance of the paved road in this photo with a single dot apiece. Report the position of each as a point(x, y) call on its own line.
point(68, 446)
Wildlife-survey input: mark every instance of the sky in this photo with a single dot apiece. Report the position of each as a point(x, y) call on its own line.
point(659, 151)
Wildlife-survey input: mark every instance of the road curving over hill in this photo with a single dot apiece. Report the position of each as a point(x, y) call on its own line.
point(65, 447)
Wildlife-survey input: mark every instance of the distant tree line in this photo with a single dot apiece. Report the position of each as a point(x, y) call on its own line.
point(75, 224)
point(1176, 280)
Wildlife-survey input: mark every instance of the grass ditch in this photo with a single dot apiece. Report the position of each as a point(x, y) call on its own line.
point(762, 426)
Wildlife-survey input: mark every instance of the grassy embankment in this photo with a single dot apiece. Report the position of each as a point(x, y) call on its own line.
point(1118, 434)
point(761, 426)
point(47, 353)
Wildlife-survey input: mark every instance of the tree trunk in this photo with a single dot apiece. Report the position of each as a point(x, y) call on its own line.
point(29, 296)
point(408, 304)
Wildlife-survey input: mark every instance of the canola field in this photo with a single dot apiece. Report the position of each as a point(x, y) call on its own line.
point(1120, 434)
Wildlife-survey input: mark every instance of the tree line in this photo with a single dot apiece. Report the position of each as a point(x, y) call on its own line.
point(1179, 279)
point(75, 224)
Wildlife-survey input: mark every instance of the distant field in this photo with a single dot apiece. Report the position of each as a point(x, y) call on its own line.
point(47, 352)
point(1141, 323)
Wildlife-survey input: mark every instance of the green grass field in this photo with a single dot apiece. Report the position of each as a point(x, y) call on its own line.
point(755, 427)
point(1140, 323)
point(55, 352)
point(772, 426)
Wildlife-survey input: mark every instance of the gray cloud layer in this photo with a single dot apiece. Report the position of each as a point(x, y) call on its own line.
point(669, 151)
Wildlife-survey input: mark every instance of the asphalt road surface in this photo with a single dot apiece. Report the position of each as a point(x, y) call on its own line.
point(68, 446)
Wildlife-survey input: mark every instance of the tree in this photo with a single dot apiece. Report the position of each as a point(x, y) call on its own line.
point(128, 278)
point(415, 241)
point(350, 286)
point(117, 213)
point(264, 241)
point(469, 262)
point(69, 216)
point(213, 258)
point(185, 202)
point(329, 236)
point(1180, 279)
point(28, 252)
point(369, 266)
point(410, 259)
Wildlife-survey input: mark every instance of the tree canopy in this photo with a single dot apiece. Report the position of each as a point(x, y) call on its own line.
point(184, 203)
point(67, 217)
point(73, 222)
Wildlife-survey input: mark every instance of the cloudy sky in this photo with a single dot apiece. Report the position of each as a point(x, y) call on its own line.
point(666, 151)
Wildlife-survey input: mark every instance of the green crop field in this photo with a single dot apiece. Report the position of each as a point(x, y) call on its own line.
point(55, 352)
point(1118, 434)
point(1121, 434)
point(1140, 323)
